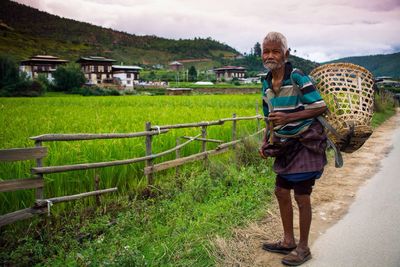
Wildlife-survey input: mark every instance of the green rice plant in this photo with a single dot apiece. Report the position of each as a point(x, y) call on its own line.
point(26, 117)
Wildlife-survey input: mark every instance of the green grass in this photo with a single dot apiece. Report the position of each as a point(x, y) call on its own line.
point(379, 117)
point(178, 230)
point(174, 228)
point(59, 94)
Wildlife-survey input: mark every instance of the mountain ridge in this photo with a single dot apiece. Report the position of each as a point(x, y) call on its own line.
point(26, 31)
point(46, 31)
point(378, 65)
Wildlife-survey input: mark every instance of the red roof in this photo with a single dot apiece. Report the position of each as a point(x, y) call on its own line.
point(230, 68)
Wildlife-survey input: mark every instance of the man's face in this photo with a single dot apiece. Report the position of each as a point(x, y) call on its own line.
point(273, 56)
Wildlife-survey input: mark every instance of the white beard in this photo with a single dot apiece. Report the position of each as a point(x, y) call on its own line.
point(272, 65)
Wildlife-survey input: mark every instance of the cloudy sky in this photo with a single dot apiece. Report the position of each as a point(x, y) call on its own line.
point(317, 30)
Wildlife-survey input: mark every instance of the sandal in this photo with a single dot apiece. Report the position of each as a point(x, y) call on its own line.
point(296, 257)
point(277, 247)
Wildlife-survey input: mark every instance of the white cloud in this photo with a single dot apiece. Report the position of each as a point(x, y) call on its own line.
point(318, 30)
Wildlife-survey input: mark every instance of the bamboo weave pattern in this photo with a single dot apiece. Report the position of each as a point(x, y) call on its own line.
point(348, 91)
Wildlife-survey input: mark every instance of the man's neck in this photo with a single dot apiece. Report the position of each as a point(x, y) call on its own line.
point(277, 78)
point(277, 74)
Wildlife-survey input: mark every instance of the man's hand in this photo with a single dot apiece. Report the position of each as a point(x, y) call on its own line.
point(260, 151)
point(279, 118)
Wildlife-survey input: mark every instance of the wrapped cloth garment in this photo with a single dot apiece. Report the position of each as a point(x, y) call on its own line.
point(303, 153)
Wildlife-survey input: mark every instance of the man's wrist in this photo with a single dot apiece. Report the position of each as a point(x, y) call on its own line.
point(290, 117)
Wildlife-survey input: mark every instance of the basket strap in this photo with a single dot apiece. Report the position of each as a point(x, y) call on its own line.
point(325, 123)
point(329, 127)
point(338, 154)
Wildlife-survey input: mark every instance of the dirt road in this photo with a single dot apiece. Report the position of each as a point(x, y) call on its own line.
point(331, 198)
point(368, 235)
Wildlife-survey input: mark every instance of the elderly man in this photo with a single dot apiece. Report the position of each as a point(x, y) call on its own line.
point(296, 140)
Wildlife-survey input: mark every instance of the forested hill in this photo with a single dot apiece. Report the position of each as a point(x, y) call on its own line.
point(25, 31)
point(379, 65)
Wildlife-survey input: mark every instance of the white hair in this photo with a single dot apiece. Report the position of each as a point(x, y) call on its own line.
point(277, 37)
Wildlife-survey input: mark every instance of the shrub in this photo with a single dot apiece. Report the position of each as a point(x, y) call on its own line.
point(23, 88)
point(382, 100)
point(46, 84)
point(97, 91)
point(8, 71)
point(69, 77)
point(235, 81)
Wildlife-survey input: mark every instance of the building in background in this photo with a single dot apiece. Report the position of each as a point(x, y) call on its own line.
point(386, 81)
point(175, 65)
point(97, 70)
point(227, 73)
point(126, 76)
point(41, 64)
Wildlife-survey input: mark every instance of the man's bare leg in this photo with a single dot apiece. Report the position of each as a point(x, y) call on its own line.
point(286, 211)
point(305, 216)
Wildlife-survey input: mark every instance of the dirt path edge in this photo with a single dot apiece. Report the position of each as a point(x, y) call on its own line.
point(331, 198)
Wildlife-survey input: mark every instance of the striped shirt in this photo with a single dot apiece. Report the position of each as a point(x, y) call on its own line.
point(289, 99)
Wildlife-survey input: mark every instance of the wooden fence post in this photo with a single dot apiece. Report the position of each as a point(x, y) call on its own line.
point(149, 162)
point(39, 163)
point(96, 188)
point(234, 136)
point(258, 120)
point(204, 143)
point(234, 122)
point(178, 155)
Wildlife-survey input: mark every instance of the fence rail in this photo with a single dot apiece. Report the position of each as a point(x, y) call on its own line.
point(19, 184)
point(86, 166)
point(42, 205)
point(204, 123)
point(76, 137)
point(17, 154)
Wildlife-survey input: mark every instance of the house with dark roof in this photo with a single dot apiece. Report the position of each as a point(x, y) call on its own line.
point(97, 70)
point(227, 73)
point(41, 64)
point(175, 65)
point(126, 76)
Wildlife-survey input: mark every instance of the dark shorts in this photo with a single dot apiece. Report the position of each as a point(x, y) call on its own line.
point(300, 188)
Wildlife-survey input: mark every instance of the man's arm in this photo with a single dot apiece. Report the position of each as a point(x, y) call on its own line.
point(281, 118)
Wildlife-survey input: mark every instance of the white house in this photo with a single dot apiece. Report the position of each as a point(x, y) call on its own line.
point(97, 69)
point(227, 73)
point(41, 64)
point(126, 76)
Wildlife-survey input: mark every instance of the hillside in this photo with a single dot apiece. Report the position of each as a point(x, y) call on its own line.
point(379, 65)
point(26, 31)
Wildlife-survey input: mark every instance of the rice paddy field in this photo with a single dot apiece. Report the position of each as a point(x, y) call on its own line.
point(21, 118)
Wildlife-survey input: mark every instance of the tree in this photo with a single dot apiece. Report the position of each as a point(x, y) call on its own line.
point(68, 77)
point(257, 49)
point(14, 84)
point(152, 76)
point(8, 71)
point(192, 73)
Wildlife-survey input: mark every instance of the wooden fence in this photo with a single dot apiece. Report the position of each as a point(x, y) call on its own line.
point(42, 205)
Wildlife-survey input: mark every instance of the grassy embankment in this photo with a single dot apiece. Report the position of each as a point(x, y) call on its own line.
point(173, 228)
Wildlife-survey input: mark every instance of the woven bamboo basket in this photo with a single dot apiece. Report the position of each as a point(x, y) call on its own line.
point(348, 91)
